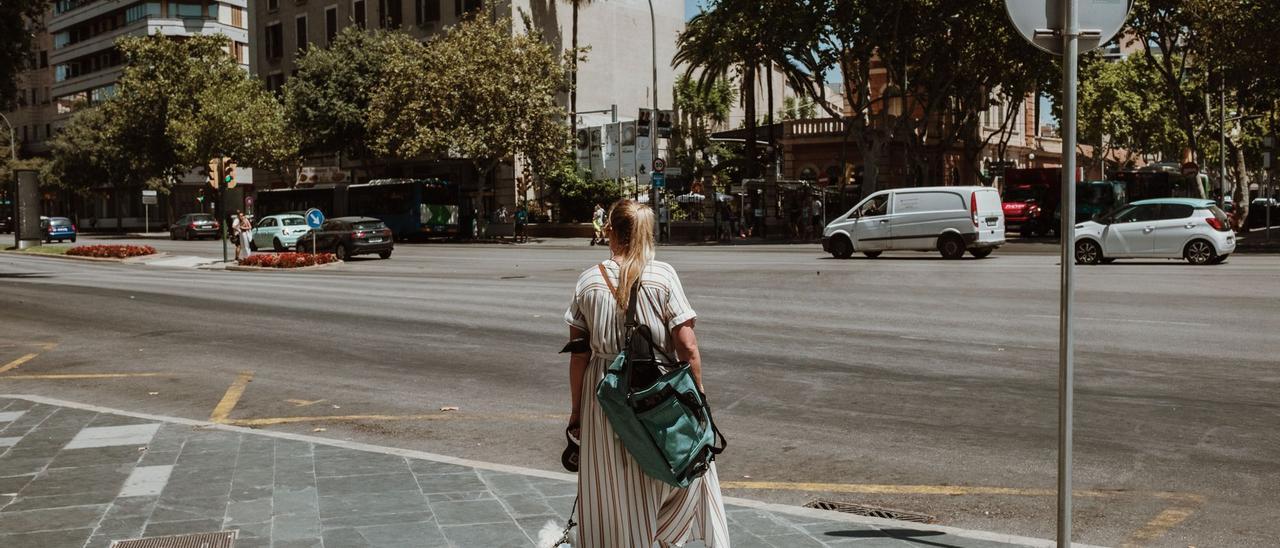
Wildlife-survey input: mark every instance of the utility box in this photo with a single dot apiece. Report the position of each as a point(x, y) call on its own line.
point(27, 218)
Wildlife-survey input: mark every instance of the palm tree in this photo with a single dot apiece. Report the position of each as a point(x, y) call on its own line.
point(742, 37)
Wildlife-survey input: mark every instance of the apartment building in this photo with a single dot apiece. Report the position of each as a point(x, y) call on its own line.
point(618, 69)
point(76, 63)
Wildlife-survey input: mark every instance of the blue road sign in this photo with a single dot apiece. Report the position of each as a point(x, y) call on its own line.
point(658, 180)
point(314, 218)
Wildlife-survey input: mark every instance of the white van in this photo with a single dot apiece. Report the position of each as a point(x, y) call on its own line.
point(946, 219)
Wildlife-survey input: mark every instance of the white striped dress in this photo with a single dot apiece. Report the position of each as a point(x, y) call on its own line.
point(619, 505)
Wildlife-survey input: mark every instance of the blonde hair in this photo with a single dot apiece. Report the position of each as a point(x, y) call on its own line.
point(630, 224)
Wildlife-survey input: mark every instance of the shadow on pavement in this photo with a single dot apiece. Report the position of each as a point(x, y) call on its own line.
point(909, 535)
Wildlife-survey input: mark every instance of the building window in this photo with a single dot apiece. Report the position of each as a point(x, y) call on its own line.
point(213, 11)
point(141, 11)
point(462, 8)
point(44, 59)
point(357, 13)
point(273, 5)
point(275, 82)
point(428, 11)
point(275, 41)
point(241, 52)
point(48, 131)
point(390, 14)
point(237, 17)
point(300, 32)
point(330, 24)
point(188, 11)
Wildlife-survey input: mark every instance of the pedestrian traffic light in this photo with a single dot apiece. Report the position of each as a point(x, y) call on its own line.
point(646, 120)
point(664, 124)
point(229, 173)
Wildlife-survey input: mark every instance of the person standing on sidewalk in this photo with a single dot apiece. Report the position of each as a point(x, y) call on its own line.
point(620, 506)
point(664, 224)
point(246, 233)
point(597, 224)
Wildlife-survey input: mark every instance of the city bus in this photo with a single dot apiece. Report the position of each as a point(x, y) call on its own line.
point(409, 207)
point(329, 199)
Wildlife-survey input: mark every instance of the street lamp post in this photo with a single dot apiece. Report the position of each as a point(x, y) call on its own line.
point(653, 120)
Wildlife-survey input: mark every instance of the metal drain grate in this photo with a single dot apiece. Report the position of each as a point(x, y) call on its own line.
point(220, 539)
point(870, 511)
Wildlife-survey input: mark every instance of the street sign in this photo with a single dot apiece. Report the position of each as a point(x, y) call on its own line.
point(658, 179)
point(1041, 21)
point(149, 197)
point(314, 218)
point(659, 165)
point(674, 171)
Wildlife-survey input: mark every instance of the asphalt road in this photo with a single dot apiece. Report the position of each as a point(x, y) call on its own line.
point(905, 382)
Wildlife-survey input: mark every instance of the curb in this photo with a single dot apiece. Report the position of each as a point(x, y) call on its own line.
point(140, 259)
point(421, 455)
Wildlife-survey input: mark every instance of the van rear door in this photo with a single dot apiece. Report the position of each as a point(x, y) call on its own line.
point(988, 215)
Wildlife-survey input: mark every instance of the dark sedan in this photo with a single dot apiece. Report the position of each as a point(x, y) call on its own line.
point(194, 226)
point(349, 236)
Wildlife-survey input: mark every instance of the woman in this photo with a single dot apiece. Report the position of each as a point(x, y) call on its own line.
point(597, 224)
point(246, 232)
point(620, 506)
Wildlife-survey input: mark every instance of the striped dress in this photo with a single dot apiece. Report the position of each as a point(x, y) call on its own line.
point(620, 506)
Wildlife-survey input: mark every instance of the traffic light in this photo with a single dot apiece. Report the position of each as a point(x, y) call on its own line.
point(229, 173)
point(664, 124)
point(646, 120)
point(213, 179)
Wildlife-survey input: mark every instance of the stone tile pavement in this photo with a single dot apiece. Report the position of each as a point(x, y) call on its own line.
point(78, 476)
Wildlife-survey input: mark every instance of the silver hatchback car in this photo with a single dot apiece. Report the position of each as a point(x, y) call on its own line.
point(1169, 228)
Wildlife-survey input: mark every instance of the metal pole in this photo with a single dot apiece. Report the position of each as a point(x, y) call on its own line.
point(1222, 141)
point(222, 209)
point(653, 120)
point(1066, 342)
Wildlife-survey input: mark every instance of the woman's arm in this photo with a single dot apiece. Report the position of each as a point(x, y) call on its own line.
point(687, 349)
point(577, 370)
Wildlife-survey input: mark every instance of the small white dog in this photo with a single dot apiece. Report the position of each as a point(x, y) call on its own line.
point(553, 535)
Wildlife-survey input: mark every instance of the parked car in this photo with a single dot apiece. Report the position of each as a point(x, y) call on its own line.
point(349, 236)
point(278, 232)
point(194, 226)
point(57, 229)
point(949, 220)
point(6, 225)
point(1172, 228)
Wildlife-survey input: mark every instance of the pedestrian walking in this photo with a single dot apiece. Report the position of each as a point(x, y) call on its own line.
point(664, 224)
point(522, 219)
point(619, 505)
point(816, 211)
point(597, 224)
point(244, 232)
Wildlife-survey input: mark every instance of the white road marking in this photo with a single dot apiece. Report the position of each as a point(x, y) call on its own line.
point(1121, 320)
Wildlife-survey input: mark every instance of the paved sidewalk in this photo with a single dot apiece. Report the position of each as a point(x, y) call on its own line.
point(79, 476)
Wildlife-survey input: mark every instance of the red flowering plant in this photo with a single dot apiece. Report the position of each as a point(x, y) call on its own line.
point(287, 260)
point(111, 251)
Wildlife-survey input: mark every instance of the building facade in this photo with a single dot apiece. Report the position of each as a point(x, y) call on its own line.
point(618, 69)
point(76, 63)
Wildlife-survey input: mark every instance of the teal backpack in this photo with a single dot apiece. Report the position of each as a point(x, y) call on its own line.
point(655, 407)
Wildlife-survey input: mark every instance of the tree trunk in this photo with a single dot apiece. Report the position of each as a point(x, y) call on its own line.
point(116, 205)
point(1242, 189)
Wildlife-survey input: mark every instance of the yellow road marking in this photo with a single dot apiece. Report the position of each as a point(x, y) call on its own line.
point(48, 346)
point(303, 403)
point(1158, 526)
point(15, 363)
point(425, 417)
point(881, 489)
point(231, 397)
point(74, 376)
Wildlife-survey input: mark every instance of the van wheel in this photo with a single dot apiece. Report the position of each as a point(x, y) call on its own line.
point(1088, 252)
point(841, 248)
point(981, 252)
point(1200, 252)
point(872, 254)
point(951, 247)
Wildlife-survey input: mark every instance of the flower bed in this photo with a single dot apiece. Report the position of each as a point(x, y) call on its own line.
point(111, 251)
point(288, 260)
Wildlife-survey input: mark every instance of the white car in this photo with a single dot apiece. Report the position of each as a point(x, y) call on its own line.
point(278, 232)
point(946, 219)
point(1169, 228)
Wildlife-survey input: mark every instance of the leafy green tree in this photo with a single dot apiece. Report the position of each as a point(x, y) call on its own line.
point(698, 111)
point(327, 102)
point(476, 92)
point(19, 19)
point(87, 154)
point(1120, 111)
point(797, 109)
